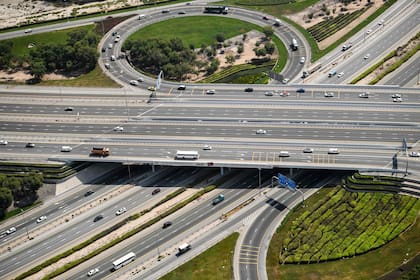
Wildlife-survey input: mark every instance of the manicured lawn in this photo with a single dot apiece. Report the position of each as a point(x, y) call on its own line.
point(20, 44)
point(195, 30)
point(340, 222)
point(215, 263)
point(95, 78)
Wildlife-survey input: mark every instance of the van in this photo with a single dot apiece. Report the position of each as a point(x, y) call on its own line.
point(332, 73)
point(141, 16)
point(284, 154)
point(184, 248)
point(333, 151)
point(66, 149)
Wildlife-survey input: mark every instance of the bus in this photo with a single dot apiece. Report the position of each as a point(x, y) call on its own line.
point(216, 10)
point(187, 155)
point(294, 44)
point(126, 259)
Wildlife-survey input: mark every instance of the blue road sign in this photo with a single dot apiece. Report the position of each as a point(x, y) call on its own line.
point(282, 180)
point(291, 184)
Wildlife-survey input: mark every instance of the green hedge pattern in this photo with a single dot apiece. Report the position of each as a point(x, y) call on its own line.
point(344, 224)
point(325, 29)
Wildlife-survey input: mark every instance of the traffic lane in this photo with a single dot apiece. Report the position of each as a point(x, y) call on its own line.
point(262, 112)
point(393, 36)
point(253, 152)
point(88, 224)
point(249, 269)
point(66, 235)
point(29, 223)
point(211, 130)
point(180, 224)
point(406, 73)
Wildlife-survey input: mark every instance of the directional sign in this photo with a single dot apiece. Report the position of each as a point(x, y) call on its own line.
point(291, 185)
point(282, 180)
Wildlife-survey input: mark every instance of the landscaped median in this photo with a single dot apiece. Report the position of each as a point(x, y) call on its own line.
point(97, 244)
point(339, 227)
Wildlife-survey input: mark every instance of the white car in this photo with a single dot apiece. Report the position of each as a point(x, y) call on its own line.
point(414, 154)
point(134, 83)
point(40, 219)
point(110, 46)
point(261, 131)
point(333, 151)
point(308, 150)
point(368, 31)
point(92, 272)
point(302, 60)
point(268, 93)
point(28, 30)
point(11, 230)
point(396, 95)
point(119, 128)
point(210, 91)
point(284, 154)
point(3, 142)
point(284, 94)
point(285, 81)
point(66, 149)
point(364, 95)
point(113, 58)
point(339, 75)
point(107, 65)
point(121, 211)
point(329, 94)
point(397, 99)
point(366, 56)
point(207, 147)
point(381, 22)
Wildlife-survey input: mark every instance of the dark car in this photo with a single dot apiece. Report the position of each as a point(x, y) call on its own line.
point(300, 90)
point(249, 89)
point(68, 109)
point(89, 192)
point(30, 145)
point(182, 87)
point(155, 191)
point(98, 218)
point(166, 224)
point(165, 11)
point(103, 50)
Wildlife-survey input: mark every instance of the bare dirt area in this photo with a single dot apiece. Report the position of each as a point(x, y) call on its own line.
point(22, 12)
point(246, 56)
point(302, 18)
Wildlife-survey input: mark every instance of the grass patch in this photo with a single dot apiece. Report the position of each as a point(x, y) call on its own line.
point(95, 78)
point(195, 30)
point(20, 44)
point(17, 211)
point(214, 263)
point(337, 224)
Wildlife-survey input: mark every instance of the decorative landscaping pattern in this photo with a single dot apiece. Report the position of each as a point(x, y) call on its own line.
point(328, 27)
point(342, 224)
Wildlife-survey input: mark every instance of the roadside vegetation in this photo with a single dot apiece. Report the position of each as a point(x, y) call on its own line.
point(215, 263)
point(184, 42)
point(391, 61)
point(19, 184)
point(338, 232)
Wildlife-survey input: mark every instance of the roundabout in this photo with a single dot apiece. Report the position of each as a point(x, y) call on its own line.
point(114, 63)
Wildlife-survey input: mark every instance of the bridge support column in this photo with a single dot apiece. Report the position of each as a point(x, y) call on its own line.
point(291, 172)
point(222, 172)
point(153, 168)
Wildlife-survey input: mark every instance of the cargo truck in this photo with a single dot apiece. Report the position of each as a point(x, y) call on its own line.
point(99, 151)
